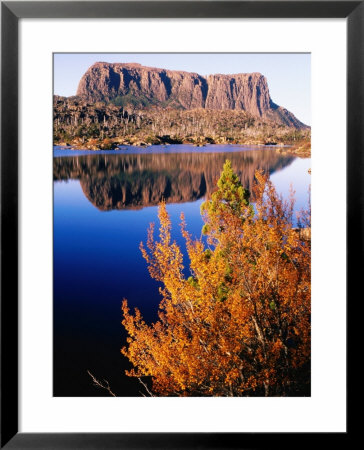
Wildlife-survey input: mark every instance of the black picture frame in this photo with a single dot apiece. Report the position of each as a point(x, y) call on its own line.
point(11, 12)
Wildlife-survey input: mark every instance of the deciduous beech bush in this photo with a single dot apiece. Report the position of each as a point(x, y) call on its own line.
point(240, 324)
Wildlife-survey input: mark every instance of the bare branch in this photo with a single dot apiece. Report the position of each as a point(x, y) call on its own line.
point(105, 385)
point(146, 388)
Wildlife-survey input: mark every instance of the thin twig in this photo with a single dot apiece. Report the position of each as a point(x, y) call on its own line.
point(146, 388)
point(104, 385)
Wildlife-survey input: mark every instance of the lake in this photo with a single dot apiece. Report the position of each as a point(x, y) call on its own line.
point(103, 204)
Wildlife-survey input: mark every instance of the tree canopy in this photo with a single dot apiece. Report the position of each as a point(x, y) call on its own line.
point(239, 325)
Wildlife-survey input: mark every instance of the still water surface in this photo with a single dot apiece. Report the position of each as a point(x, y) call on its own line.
point(103, 204)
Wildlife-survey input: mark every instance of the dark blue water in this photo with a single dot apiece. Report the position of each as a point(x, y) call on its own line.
point(103, 204)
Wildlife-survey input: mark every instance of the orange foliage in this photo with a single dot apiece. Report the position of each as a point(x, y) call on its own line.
point(240, 325)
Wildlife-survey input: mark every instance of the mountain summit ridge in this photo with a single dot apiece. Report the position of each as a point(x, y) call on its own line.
point(124, 83)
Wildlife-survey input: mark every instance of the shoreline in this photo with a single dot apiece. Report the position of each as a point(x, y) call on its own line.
point(145, 141)
point(281, 148)
point(109, 144)
point(172, 148)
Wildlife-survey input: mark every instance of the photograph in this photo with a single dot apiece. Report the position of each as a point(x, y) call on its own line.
point(181, 224)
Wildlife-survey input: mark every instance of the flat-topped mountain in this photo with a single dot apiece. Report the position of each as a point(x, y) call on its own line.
point(131, 83)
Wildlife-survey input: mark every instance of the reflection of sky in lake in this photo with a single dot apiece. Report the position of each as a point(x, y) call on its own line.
point(297, 175)
point(97, 263)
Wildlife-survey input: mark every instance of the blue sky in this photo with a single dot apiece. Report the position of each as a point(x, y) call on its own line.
point(288, 74)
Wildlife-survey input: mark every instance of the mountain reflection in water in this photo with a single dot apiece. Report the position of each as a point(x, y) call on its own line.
point(134, 181)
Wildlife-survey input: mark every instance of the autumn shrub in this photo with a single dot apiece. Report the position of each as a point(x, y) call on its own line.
point(239, 324)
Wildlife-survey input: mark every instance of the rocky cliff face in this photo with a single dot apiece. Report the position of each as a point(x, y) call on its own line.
point(148, 86)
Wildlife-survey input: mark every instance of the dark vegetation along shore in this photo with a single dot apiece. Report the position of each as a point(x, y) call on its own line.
point(129, 104)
